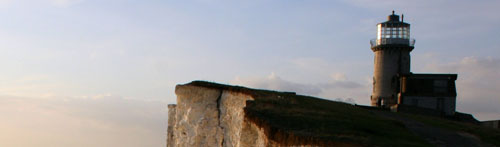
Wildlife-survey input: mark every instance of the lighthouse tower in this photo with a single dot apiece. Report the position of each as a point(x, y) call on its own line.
point(392, 49)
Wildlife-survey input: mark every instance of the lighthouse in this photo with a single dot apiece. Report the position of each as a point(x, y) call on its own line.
point(392, 49)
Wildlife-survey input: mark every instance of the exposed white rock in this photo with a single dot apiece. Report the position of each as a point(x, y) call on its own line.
point(232, 116)
point(211, 117)
point(197, 122)
point(171, 123)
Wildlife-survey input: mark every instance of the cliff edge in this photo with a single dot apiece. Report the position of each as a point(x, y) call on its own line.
point(210, 114)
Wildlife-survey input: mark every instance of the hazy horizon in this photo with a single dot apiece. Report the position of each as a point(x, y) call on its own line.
point(101, 73)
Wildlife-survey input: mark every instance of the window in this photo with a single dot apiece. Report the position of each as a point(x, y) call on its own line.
point(384, 32)
point(440, 86)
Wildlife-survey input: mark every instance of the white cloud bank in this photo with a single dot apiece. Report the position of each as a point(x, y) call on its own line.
point(337, 88)
point(98, 121)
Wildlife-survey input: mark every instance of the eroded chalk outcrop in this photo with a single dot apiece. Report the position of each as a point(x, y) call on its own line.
point(211, 117)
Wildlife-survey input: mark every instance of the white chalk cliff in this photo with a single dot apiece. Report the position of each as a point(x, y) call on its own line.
point(211, 117)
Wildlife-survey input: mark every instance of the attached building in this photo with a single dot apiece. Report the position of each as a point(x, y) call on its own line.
point(430, 91)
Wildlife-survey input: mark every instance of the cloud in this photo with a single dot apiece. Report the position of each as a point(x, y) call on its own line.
point(102, 120)
point(336, 87)
point(339, 80)
point(478, 84)
point(274, 82)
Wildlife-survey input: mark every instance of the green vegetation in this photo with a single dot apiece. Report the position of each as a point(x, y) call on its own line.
point(488, 135)
point(294, 119)
point(329, 121)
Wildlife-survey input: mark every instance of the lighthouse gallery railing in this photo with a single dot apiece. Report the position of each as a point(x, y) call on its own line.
point(384, 41)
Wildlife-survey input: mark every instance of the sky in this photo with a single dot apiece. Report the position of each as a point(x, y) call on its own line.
point(101, 72)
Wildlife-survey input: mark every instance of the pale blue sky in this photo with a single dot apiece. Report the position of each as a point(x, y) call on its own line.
point(61, 57)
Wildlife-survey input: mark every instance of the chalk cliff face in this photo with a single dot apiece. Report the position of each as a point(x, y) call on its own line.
point(216, 115)
point(211, 117)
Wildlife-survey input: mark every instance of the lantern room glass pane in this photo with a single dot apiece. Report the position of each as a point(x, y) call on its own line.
point(392, 33)
point(407, 33)
point(399, 32)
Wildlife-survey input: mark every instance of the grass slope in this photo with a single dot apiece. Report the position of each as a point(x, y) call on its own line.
point(290, 119)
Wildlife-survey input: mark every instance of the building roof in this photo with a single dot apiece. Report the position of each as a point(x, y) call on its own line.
point(430, 76)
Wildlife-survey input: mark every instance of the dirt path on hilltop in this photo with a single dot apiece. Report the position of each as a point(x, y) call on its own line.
point(434, 135)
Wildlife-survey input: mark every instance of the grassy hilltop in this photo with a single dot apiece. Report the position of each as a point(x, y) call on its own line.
point(290, 119)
